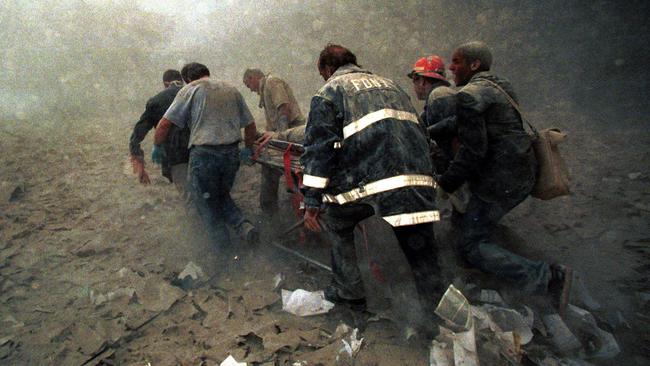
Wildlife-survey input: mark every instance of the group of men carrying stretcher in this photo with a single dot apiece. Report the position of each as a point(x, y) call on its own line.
point(363, 151)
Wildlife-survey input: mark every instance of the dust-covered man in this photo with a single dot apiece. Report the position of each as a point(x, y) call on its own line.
point(282, 112)
point(215, 112)
point(366, 153)
point(496, 159)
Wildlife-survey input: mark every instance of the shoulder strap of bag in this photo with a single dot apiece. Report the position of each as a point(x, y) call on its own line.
point(514, 104)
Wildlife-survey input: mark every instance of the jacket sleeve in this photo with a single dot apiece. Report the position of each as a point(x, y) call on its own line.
point(472, 135)
point(142, 127)
point(318, 160)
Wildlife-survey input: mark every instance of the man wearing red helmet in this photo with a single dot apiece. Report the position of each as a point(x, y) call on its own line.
point(439, 116)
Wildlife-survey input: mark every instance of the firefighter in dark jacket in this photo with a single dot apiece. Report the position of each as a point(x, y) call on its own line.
point(174, 166)
point(496, 159)
point(364, 149)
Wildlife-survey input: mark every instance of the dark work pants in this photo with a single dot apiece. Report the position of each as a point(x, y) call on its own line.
point(212, 171)
point(476, 225)
point(416, 241)
point(269, 190)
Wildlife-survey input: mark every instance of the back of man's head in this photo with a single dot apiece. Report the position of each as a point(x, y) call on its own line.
point(171, 75)
point(194, 71)
point(476, 50)
point(249, 73)
point(335, 56)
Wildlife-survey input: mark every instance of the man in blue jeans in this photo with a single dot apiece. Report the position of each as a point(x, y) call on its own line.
point(215, 112)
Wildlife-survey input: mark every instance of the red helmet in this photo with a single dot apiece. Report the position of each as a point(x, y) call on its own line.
point(431, 67)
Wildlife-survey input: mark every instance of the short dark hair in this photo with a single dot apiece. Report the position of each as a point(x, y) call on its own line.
point(476, 50)
point(172, 75)
point(194, 71)
point(335, 55)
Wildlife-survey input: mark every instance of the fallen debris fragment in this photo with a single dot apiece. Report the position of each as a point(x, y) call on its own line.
point(510, 320)
point(305, 303)
point(491, 296)
point(465, 348)
point(598, 343)
point(350, 350)
point(454, 308)
point(230, 361)
point(561, 337)
point(441, 354)
point(189, 277)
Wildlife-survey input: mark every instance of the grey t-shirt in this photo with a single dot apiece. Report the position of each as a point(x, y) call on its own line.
point(215, 112)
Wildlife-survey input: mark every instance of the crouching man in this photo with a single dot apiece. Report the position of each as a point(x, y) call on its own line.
point(496, 159)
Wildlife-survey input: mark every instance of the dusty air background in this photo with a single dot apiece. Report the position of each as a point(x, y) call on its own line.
point(76, 74)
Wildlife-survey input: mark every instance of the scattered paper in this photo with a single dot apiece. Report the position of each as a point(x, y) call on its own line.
point(305, 303)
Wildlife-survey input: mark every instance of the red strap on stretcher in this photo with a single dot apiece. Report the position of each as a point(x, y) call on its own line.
point(261, 146)
point(296, 196)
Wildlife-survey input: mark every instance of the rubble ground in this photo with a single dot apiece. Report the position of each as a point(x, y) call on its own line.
point(89, 263)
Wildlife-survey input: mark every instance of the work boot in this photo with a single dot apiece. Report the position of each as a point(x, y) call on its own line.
point(559, 287)
point(248, 232)
point(332, 295)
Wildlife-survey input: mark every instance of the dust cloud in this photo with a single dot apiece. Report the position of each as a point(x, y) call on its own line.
point(76, 74)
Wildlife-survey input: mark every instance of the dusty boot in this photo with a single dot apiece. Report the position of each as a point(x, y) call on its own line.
point(248, 232)
point(560, 287)
point(332, 295)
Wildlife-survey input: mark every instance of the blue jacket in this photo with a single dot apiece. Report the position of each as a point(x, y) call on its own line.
point(364, 144)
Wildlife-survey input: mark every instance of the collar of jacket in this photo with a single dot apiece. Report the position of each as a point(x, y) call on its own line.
point(175, 83)
point(482, 75)
point(348, 69)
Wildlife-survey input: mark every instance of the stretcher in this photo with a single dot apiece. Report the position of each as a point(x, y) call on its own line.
point(281, 152)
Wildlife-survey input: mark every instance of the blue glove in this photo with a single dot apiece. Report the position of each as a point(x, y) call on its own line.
point(246, 155)
point(158, 154)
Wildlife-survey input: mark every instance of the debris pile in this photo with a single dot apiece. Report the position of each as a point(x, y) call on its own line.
point(492, 334)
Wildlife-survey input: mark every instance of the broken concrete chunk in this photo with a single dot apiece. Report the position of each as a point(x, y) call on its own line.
point(561, 337)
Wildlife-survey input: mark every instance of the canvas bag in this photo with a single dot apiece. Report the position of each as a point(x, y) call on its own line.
point(552, 175)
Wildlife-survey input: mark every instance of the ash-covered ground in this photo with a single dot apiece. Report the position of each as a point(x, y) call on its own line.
point(88, 256)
